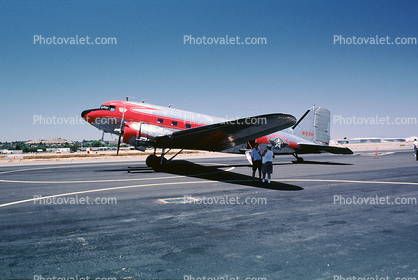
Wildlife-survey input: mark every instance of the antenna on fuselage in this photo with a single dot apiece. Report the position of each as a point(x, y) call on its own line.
point(301, 118)
point(143, 100)
point(169, 105)
point(128, 98)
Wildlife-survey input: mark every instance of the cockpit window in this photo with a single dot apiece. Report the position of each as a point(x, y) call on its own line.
point(108, 108)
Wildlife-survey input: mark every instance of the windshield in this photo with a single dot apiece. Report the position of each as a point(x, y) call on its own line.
point(108, 108)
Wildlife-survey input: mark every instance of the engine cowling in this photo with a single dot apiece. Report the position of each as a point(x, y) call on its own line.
point(137, 130)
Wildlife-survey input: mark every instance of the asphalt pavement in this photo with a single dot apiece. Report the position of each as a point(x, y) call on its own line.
point(331, 217)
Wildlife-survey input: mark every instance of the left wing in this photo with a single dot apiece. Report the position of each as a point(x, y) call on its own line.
point(225, 135)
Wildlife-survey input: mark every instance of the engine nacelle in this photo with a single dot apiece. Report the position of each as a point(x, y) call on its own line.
point(135, 130)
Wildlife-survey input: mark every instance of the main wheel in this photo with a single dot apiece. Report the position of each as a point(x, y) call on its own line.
point(148, 161)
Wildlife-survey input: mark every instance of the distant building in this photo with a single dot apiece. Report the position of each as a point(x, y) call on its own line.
point(368, 140)
point(411, 139)
point(58, 150)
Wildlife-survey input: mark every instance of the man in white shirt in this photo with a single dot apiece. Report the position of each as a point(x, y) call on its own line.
point(256, 159)
point(416, 148)
point(267, 167)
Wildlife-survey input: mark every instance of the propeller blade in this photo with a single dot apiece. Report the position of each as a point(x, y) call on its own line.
point(121, 129)
point(117, 151)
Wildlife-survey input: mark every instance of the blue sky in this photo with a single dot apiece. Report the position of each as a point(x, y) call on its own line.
point(300, 65)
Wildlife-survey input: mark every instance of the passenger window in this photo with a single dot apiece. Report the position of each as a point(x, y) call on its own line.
point(188, 125)
point(160, 121)
point(174, 123)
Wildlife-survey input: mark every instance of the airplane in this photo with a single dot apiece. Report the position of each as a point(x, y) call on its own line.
point(144, 125)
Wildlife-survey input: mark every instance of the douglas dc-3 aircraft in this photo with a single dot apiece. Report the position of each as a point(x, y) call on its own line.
point(144, 125)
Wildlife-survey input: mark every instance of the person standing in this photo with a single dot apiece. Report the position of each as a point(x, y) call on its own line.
point(256, 160)
point(267, 167)
point(416, 148)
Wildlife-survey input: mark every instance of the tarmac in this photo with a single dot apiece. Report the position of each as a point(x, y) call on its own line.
point(331, 217)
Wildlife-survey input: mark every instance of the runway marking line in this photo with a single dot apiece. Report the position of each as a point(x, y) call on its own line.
point(95, 181)
point(159, 184)
point(123, 187)
point(101, 190)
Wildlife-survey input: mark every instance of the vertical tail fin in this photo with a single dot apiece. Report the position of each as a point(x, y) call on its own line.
point(314, 126)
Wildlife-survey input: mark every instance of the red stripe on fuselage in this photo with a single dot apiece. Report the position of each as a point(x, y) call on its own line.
point(137, 116)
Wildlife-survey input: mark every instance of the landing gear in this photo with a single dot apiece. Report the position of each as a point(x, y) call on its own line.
point(298, 159)
point(153, 160)
point(158, 162)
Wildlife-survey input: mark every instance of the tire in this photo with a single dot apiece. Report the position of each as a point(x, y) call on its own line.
point(148, 161)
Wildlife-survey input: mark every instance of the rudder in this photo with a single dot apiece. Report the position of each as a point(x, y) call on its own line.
point(315, 126)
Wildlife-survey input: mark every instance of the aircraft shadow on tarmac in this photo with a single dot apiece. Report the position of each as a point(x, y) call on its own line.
point(214, 173)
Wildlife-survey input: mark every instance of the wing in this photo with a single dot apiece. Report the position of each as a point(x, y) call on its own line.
point(309, 148)
point(221, 136)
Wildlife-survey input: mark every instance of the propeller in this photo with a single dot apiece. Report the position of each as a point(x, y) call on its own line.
point(117, 151)
point(121, 130)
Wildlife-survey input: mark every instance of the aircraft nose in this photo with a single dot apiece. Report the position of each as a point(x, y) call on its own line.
point(85, 112)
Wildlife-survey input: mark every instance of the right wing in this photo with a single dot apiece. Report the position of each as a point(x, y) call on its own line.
point(222, 136)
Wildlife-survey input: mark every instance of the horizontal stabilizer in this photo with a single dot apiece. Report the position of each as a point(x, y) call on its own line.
point(308, 148)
